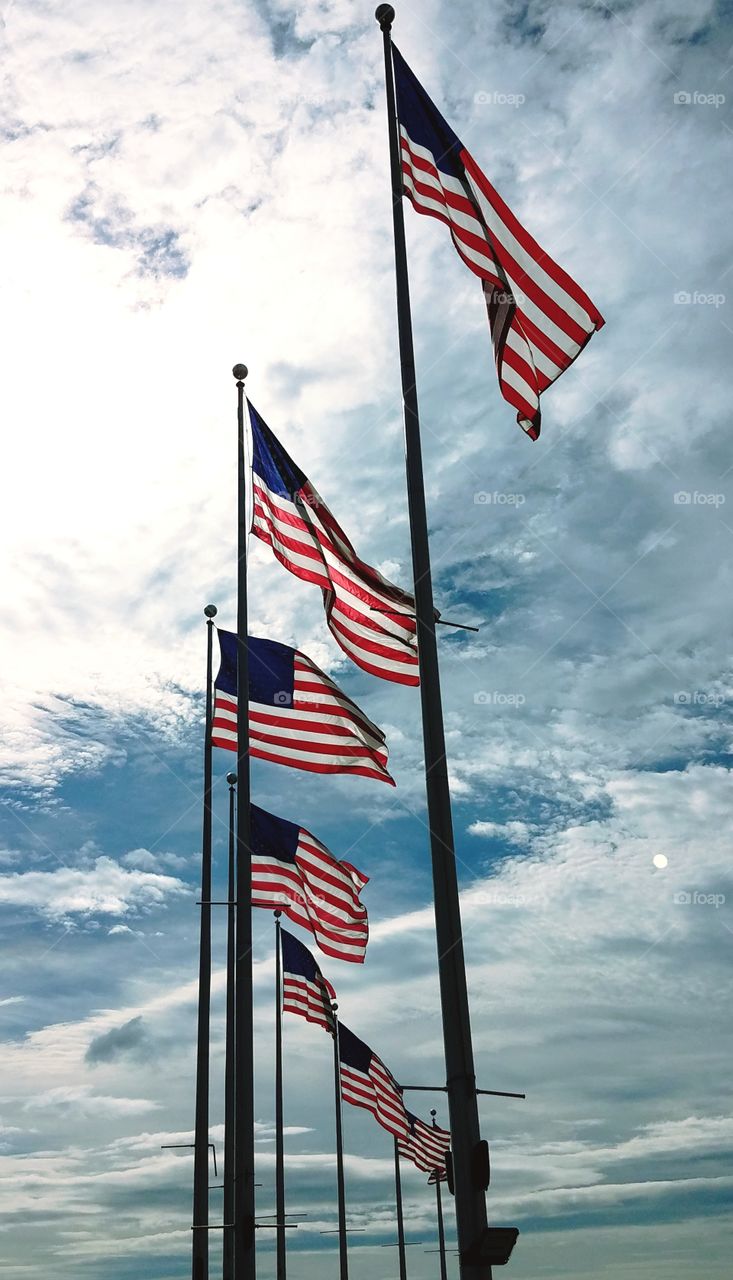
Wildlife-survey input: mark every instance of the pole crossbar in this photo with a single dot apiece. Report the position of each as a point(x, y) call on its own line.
point(440, 622)
point(443, 1088)
point(332, 1231)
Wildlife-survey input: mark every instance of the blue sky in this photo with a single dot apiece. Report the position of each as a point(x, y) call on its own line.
point(189, 186)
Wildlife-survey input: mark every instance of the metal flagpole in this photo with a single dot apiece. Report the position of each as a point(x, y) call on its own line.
point(441, 1228)
point(229, 1068)
point(470, 1182)
point(244, 1156)
point(400, 1219)
point(200, 1246)
point(279, 1145)
point(343, 1248)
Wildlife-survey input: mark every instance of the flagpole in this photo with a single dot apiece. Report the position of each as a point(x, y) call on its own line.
point(470, 1184)
point(400, 1218)
point(343, 1248)
point(200, 1245)
point(279, 1144)
point(441, 1228)
point(229, 1067)
point(244, 1157)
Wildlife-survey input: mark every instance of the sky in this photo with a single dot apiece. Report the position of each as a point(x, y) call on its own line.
point(188, 186)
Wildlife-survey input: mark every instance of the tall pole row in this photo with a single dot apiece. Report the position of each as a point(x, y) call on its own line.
point(244, 1190)
point(460, 1073)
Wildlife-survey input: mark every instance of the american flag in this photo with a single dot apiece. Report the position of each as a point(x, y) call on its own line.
point(366, 1082)
point(540, 319)
point(425, 1145)
point(293, 871)
point(305, 990)
point(297, 716)
point(372, 620)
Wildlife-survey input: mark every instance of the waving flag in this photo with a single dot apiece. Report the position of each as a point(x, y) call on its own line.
point(294, 872)
point(540, 319)
point(297, 716)
point(305, 990)
point(372, 620)
point(366, 1082)
point(425, 1145)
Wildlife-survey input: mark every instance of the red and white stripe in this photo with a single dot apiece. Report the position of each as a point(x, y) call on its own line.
point(539, 317)
point(376, 1092)
point(318, 892)
point(322, 730)
point(425, 1146)
point(310, 1000)
point(372, 620)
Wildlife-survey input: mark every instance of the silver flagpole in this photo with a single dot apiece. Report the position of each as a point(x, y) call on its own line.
point(279, 1143)
point(400, 1218)
point(244, 1158)
point(441, 1228)
point(469, 1153)
point(229, 1067)
point(343, 1244)
point(200, 1244)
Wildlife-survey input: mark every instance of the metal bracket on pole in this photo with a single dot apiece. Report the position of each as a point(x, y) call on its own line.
point(189, 1146)
point(493, 1248)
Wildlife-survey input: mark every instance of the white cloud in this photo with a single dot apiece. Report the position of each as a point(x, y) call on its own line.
point(106, 888)
point(512, 832)
point(82, 1100)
